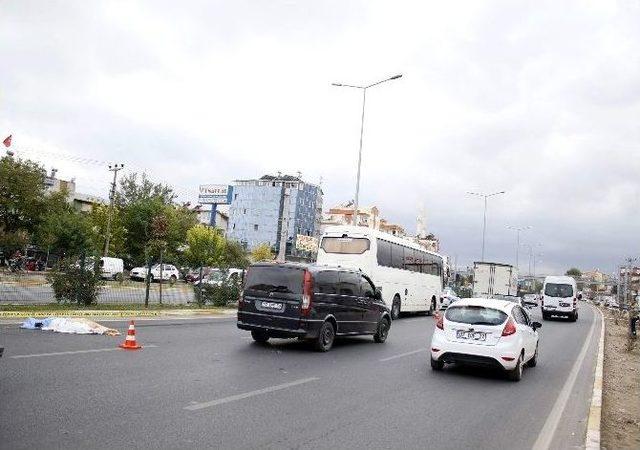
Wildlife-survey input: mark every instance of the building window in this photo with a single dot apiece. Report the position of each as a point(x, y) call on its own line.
point(244, 211)
point(255, 227)
point(235, 196)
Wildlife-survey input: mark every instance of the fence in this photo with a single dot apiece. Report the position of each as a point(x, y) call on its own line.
point(32, 288)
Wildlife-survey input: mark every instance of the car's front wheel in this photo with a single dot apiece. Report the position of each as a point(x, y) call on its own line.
point(437, 364)
point(326, 336)
point(534, 361)
point(516, 373)
point(383, 331)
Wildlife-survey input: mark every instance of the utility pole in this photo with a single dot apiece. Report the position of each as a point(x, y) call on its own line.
point(284, 223)
point(115, 168)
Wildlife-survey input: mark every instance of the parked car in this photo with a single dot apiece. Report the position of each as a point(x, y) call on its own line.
point(312, 302)
point(218, 276)
point(169, 273)
point(448, 297)
point(486, 332)
point(560, 298)
point(530, 299)
point(193, 275)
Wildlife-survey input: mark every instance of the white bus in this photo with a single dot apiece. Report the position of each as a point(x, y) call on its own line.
point(410, 277)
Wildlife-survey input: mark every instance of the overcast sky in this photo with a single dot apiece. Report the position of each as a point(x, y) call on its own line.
point(540, 99)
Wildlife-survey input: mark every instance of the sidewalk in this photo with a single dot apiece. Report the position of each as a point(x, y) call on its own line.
point(17, 316)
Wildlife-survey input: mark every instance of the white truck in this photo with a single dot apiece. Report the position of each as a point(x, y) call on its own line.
point(494, 279)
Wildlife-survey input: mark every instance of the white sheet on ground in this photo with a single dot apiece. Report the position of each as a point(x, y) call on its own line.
point(77, 325)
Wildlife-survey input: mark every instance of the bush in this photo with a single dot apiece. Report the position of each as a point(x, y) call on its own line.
point(217, 295)
point(72, 283)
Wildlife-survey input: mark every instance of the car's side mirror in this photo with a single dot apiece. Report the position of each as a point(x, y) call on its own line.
point(579, 296)
point(536, 325)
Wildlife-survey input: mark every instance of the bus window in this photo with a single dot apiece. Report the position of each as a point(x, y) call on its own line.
point(345, 245)
point(397, 256)
point(384, 253)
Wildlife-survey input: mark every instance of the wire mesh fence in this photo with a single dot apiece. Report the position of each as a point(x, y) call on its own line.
point(33, 287)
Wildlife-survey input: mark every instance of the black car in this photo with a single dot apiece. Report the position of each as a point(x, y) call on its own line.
point(313, 302)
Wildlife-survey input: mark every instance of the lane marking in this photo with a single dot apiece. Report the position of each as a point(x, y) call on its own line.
point(553, 419)
point(74, 352)
point(402, 355)
point(233, 398)
point(592, 440)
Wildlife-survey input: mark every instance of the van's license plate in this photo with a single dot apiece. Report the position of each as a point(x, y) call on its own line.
point(475, 335)
point(272, 306)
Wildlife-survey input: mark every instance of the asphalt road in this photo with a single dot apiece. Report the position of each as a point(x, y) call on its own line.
point(203, 383)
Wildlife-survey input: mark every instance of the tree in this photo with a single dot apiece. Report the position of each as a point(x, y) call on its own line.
point(574, 272)
point(22, 191)
point(205, 246)
point(234, 255)
point(262, 253)
point(132, 191)
point(98, 218)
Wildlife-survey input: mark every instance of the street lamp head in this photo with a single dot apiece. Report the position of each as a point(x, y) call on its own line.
point(336, 84)
point(395, 77)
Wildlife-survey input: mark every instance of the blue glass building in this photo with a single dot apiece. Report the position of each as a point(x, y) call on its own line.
point(257, 205)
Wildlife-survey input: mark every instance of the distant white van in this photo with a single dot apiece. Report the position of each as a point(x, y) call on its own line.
point(111, 268)
point(560, 298)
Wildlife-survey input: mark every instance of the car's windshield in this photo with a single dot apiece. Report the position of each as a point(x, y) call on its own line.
point(475, 315)
point(558, 290)
point(345, 245)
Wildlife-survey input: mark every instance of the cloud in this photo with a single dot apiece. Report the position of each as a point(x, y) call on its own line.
point(540, 100)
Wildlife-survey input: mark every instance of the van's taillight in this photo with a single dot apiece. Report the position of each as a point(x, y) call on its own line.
point(542, 301)
point(307, 293)
point(509, 328)
point(575, 300)
point(440, 322)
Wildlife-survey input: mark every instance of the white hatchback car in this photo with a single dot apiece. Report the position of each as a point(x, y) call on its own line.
point(447, 298)
point(486, 332)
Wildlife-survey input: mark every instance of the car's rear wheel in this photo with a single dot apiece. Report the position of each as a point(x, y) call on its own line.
point(326, 336)
point(516, 373)
point(260, 337)
point(545, 316)
point(534, 361)
point(574, 316)
point(437, 364)
point(383, 331)
point(395, 307)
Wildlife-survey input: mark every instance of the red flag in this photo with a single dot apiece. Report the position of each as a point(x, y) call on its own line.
point(7, 141)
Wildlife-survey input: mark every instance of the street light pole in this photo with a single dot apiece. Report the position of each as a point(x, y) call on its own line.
point(364, 101)
point(518, 230)
point(112, 195)
point(484, 217)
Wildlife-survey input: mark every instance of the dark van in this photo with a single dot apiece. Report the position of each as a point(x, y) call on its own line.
point(317, 303)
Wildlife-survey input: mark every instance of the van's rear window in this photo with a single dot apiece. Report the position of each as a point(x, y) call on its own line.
point(345, 245)
point(286, 280)
point(558, 290)
point(475, 315)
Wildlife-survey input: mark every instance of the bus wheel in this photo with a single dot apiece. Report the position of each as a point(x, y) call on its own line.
point(395, 308)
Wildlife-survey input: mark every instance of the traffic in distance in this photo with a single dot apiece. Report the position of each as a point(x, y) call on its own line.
point(363, 279)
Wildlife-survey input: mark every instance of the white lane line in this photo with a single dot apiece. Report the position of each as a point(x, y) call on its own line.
point(553, 419)
point(74, 352)
point(234, 398)
point(402, 355)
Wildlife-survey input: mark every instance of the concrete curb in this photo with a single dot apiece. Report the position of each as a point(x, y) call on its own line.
point(592, 440)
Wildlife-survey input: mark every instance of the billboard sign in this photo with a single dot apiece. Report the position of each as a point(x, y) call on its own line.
point(219, 194)
point(306, 243)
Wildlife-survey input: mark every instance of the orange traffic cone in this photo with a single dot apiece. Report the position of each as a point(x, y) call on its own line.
point(130, 342)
